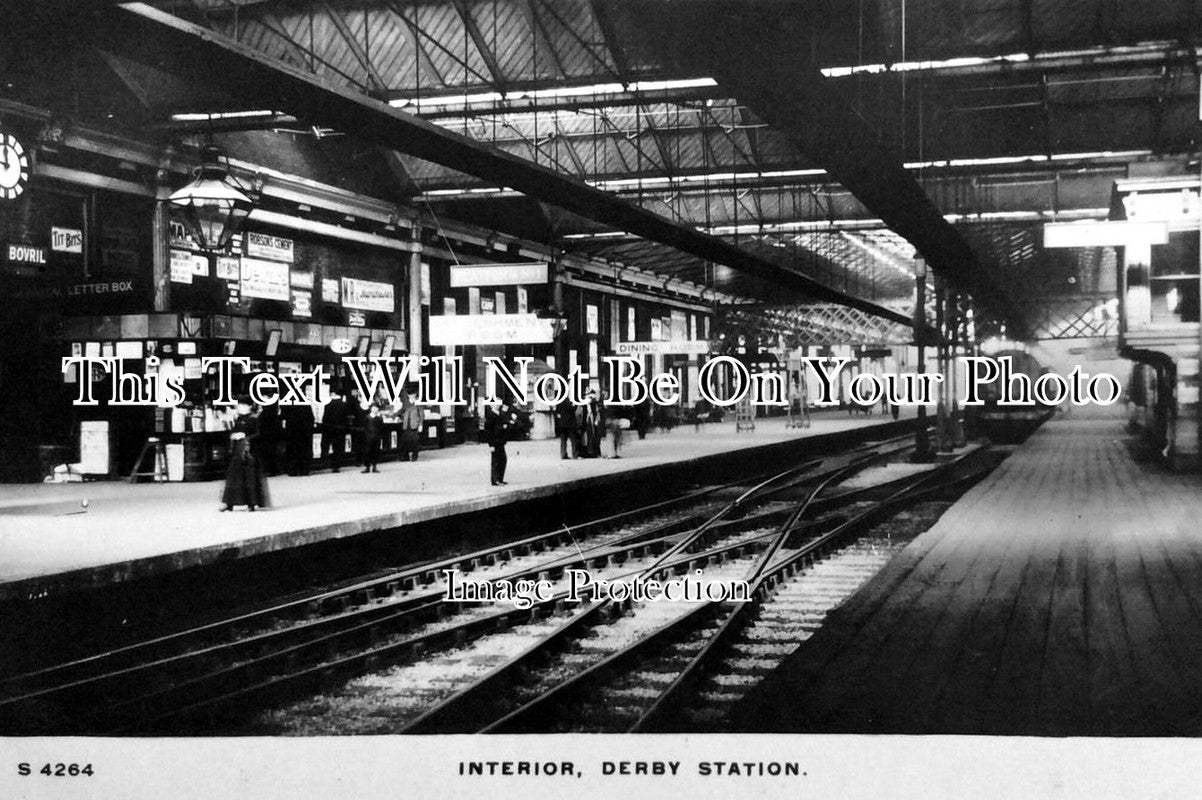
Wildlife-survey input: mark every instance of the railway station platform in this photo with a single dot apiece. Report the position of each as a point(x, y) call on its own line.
point(49, 540)
point(1060, 596)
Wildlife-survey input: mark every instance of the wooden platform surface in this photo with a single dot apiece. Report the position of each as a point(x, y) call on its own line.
point(1061, 596)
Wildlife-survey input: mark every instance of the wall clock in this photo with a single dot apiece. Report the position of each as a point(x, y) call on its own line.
point(14, 167)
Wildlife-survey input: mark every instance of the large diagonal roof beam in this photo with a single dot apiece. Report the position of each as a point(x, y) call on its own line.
point(197, 54)
point(757, 51)
point(514, 103)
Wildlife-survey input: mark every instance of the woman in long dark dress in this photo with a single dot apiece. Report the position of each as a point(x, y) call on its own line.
point(246, 479)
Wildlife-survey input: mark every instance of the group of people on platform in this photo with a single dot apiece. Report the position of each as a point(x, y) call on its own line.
point(255, 436)
point(365, 424)
point(590, 430)
point(583, 430)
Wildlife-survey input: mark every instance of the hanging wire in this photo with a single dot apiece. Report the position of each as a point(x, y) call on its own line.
point(534, 73)
point(734, 171)
point(922, 86)
point(441, 233)
point(466, 60)
point(417, 68)
point(638, 145)
point(705, 166)
point(793, 240)
point(681, 204)
point(497, 58)
point(860, 61)
point(903, 77)
point(710, 268)
point(596, 143)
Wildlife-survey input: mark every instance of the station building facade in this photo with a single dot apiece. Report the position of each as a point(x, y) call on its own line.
point(94, 263)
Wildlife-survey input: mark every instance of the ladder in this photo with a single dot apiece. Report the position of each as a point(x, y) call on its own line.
point(744, 416)
point(158, 466)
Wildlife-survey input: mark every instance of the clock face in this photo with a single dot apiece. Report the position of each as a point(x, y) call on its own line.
point(14, 167)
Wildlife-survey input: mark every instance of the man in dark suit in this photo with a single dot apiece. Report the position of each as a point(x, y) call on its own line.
point(373, 433)
point(333, 429)
point(567, 428)
point(412, 420)
point(269, 436)
point(298, 438)
point(356, 419)
point(499, 425)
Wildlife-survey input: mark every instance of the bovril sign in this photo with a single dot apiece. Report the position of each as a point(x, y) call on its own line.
point(26, 254)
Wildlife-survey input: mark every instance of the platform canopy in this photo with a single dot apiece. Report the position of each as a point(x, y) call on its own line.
point(817, 147)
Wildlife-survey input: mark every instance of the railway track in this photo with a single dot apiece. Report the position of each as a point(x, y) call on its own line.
point(274, 651)
point(527, 678)
point(783, 623)
point(690, 676)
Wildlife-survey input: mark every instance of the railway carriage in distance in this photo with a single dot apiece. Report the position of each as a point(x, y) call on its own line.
point(1007, 424)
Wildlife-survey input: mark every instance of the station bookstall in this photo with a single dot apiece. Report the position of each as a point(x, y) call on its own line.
point(195, 434)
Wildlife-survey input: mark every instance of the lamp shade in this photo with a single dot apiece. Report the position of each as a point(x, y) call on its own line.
point(212, 206)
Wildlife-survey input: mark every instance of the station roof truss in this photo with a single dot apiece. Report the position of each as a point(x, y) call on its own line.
point(815, 325)
point(1082, 316)
point(1003, 116)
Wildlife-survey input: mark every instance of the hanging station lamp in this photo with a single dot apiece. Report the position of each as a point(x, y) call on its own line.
point(558, 320)
point(213, 206)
